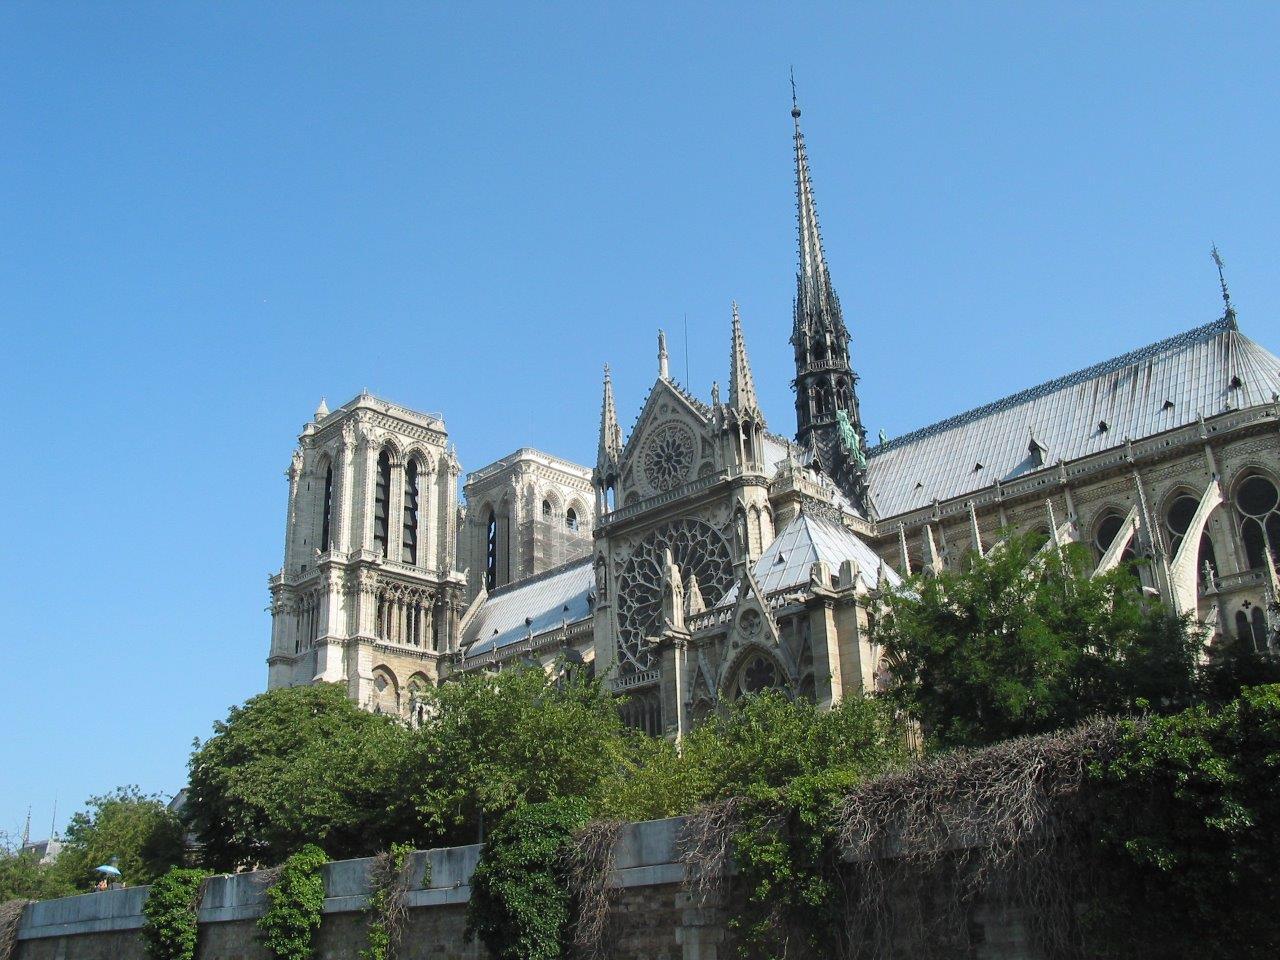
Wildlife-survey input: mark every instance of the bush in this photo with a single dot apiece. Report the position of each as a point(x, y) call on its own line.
point(296, 902)
point(171, 926)
point(521, 908)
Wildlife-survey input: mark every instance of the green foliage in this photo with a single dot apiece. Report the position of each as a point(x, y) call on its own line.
point(171, 926)
point(386, 903)
point(134, 830)
point(296, 902)
point(24, 877)
point(296, 765)
point(493, 742)
point(521, 908)
point(764, 742)
point(1188, 820)
point(1234, 665)
point(1022, 643)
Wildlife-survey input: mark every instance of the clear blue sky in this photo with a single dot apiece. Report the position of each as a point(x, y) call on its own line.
point(213, 215)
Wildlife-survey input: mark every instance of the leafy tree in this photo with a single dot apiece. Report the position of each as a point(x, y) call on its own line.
point(297, 765)
point(24, 877)
point(135, 831)
point(491, 742)
point(1188, 817)
point(1022, 642)
point(1234, 665)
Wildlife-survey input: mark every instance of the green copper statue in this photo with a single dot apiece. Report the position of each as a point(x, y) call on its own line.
point(849, 439)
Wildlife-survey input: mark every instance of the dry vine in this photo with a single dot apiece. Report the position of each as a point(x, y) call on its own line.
point(1001, 823)
point(10, 919)
point(390, 876)
point(706, 847)
point(591, 861)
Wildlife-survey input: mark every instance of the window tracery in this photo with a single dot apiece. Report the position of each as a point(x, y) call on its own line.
point(1259, 504)
point(668, 456)
point(697, 548)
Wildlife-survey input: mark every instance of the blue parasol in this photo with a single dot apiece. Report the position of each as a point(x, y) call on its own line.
point(108, 869)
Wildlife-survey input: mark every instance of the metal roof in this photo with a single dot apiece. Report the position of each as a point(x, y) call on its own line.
point(548, 600)
point(788, 561)
point(1205, 371)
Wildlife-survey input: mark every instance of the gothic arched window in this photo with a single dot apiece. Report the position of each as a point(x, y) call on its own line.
point(1259, 630)
point(382, 504)
point(491, 552)
point(571, 518)
point(546, 510)
point(1108, 530)
point(1177, 520)
point(327, 516)
point(409, 538)
point(1259, 506)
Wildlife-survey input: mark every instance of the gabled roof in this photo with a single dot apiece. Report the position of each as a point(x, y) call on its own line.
point(1166, 385)
point(559, 595)
point(788, 561)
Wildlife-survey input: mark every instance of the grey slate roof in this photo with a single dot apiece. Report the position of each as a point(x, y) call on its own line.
point(544, 598)
point(789, 559)
point(1157, 388)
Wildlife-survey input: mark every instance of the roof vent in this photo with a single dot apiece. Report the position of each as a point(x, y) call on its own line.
point(919, 486)
point(977, 466)
point(780, 559)
point(1236, 383)
point(1167, 405)
point(1037, 452)
point(1103, 426)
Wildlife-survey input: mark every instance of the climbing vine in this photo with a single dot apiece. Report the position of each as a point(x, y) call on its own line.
point(521, 906)
point(296, 902)
point(171, 927)
point(389, 880)
point(590, 859)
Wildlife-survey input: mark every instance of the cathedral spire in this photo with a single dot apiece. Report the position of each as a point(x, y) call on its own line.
point(610, 433)
point(828, 421)
point(742, 387)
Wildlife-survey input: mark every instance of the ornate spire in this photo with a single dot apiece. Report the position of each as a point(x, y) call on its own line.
point(742, 388)
point(1229, 314)
point(828, 421)
point(610, 433)
point(663, 370)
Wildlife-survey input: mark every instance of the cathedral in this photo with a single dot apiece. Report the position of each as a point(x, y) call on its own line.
point(706, 556)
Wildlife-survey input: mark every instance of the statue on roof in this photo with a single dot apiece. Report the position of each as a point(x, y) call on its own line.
point(849, 440)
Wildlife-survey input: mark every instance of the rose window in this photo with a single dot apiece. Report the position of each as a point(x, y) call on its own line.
point(697, 548)
point(668, 457)
point(758, 674)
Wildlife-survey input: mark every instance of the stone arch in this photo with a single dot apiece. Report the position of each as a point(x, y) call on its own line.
point(753, 670)
point(384, 691)
point(1257, 520)
point(1104, 526)
point(578, 510)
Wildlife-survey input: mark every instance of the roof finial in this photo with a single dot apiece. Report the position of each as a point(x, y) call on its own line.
point(1230, 313)
point(795, 104)
point(663, 370)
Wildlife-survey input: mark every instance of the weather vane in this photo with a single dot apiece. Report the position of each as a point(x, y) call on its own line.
point(1222, 281)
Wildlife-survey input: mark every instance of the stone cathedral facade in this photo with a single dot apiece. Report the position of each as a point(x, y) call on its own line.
point(706, 556)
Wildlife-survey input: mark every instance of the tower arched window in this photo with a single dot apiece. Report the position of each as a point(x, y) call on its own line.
point(491, 552)
point(546, 510)
point(409, 536)
point(326, 519)
point(1259, 505)
point(382, 504)
point(571, 518)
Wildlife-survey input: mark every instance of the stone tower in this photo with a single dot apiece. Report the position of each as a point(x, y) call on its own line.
point(828, 421)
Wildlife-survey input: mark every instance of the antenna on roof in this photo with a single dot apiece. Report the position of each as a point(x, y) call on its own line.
point(1230, 312)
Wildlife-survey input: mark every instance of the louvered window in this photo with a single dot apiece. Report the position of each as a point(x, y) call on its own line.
point(409, 537)
point(382, 504)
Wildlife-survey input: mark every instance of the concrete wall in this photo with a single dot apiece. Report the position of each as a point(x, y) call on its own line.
point(652, 916)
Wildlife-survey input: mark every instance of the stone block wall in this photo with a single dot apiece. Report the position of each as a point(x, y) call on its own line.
point(652, 915)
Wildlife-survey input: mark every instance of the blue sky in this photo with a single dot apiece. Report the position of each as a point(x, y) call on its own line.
point(211, 215)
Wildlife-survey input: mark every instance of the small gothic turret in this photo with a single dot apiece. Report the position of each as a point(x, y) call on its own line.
point(827, 418)
point(743, 415)
point(610, 451)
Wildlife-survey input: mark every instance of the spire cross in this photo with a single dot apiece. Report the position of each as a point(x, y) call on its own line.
point(795, 105)
point(1222, 281)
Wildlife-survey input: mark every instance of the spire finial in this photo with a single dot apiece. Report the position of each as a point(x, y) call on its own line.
point(795, 104)
point(742, 388)
point(610, 433)
point(1230, 312)
point(663, 367)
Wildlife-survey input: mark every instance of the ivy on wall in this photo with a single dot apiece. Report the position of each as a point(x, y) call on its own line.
point(171, 911)
point(296, 902)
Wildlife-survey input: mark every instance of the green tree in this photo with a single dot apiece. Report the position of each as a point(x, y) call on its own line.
point(24, 877)
point(297, 765)
point(491, 742)
point(135, 831)
point(1021, 642)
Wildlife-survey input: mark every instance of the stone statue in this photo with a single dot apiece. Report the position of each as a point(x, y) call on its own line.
point(672, 594)
point(849, 440)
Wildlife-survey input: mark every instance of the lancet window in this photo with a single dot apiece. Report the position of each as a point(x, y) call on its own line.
point(382, 504)
point(409, 535)
point(1259, 506)
point(326, 519)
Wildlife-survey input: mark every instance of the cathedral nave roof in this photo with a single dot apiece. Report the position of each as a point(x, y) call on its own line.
point(531, 606)
point(1205, 371)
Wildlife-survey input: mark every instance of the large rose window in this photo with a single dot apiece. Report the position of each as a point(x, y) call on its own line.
point(668, 456)
point(697, 548)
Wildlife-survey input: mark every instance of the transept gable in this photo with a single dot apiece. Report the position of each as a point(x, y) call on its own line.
point(672, 443)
